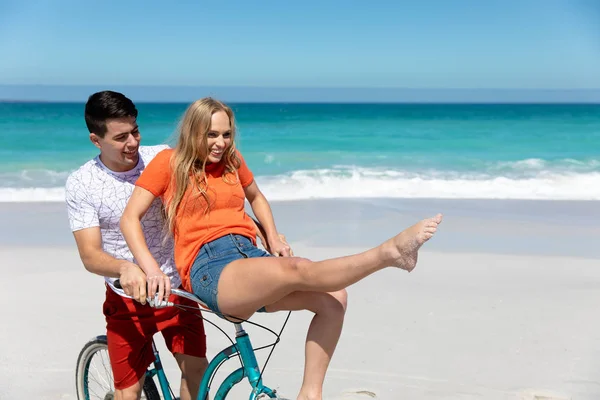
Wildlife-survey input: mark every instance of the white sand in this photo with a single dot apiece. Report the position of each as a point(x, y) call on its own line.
point(468, 323)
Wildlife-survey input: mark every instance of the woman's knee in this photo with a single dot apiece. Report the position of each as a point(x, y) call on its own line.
point(301, 270)
point(297, 270)
point(332, 303)
point(341, 296)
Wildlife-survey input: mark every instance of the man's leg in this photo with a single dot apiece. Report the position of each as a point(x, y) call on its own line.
point(185, 338)
point(129, 344)
point(192, 371)
point(132, 392)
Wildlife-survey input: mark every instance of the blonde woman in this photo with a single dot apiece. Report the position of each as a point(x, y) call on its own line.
point(203, 183)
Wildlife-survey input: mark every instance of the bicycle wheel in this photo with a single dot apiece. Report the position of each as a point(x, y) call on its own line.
point(93, 376)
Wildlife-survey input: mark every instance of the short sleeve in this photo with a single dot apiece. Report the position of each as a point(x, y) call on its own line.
point(244, 173)
point(157, 174)
point(81, 211)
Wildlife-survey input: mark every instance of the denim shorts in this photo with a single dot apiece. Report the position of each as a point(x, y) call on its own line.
point(212, 258)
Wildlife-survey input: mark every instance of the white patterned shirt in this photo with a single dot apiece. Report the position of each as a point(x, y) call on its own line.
point(97, 196)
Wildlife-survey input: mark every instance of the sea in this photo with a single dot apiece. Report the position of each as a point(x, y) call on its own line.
point(312, 151)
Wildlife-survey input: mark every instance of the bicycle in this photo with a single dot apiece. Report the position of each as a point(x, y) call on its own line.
point(242, 348)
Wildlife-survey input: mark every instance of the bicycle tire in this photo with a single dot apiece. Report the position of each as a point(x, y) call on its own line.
point(82, 373)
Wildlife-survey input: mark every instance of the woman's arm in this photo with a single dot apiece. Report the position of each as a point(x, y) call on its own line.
point(131, 227)
point(262, 211)
point(260, 232)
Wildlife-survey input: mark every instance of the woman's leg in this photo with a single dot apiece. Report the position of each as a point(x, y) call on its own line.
point(323, 334)
point(248, 284)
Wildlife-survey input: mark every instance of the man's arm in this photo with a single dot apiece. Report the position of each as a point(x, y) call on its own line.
point(95, 260)
point(85, 224)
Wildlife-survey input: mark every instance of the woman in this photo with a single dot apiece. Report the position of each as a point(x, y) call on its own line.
point(203, 183)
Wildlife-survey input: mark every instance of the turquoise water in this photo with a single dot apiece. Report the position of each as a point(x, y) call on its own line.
point(343, 150)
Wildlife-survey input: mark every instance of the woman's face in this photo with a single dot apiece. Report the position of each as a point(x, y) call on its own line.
point(219, 136)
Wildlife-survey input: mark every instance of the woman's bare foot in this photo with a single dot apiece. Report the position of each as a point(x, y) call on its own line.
point(402, 250)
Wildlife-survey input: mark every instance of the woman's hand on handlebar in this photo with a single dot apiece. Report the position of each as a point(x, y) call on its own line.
point(159, 286)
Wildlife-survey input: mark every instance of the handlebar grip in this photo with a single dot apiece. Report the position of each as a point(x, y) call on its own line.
point(152, 303)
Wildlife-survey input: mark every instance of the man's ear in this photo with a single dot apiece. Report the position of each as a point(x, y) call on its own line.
point(95, 139)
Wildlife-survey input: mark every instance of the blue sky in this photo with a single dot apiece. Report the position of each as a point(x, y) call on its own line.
point(510, 44)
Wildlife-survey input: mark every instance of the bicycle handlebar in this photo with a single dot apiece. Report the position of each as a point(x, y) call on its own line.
point(164, 303)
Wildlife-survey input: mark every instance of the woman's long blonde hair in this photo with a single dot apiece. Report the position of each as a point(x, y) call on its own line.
point(190, 156)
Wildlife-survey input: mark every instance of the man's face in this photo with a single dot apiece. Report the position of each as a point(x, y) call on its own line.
point(119, 146)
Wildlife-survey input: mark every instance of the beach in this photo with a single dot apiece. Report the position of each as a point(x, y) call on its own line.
point(502, 304)
point(355, 121)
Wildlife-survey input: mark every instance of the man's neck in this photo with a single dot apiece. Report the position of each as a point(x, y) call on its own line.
point(120, 167)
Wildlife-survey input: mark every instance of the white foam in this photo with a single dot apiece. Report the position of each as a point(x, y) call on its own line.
point(33, 178)
point(360, 182)
point(28, 195)
point(529, 163)
point(535, 165)
point(544, 187)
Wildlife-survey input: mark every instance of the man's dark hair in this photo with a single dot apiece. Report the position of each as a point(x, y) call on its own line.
point(102, 106)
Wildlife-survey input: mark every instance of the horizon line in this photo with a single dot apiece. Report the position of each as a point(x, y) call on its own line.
point(342, 95)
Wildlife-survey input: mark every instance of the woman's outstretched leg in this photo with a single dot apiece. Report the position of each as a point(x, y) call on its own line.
point(248, 284)
point(322, 337)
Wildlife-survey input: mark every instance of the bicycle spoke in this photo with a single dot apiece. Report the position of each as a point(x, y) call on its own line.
point(102, 394)
point(100, 377)
point(108, 370)
point(108, 385)
point(103, 390)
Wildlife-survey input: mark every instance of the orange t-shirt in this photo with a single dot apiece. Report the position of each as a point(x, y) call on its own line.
point(195, 227)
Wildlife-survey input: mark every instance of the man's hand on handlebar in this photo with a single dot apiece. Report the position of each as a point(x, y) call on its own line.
point(152, 301)
point(133, 281)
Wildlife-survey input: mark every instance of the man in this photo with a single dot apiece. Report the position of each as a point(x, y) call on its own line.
point(96, 195)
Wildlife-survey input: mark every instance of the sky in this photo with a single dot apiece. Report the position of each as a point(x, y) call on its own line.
point(301, 48)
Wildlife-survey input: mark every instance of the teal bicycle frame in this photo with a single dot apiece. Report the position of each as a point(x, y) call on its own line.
point(242, 349)
point(249, 369)
point(160, 373)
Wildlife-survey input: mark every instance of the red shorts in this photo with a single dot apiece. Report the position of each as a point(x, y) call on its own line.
point(131, 325)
